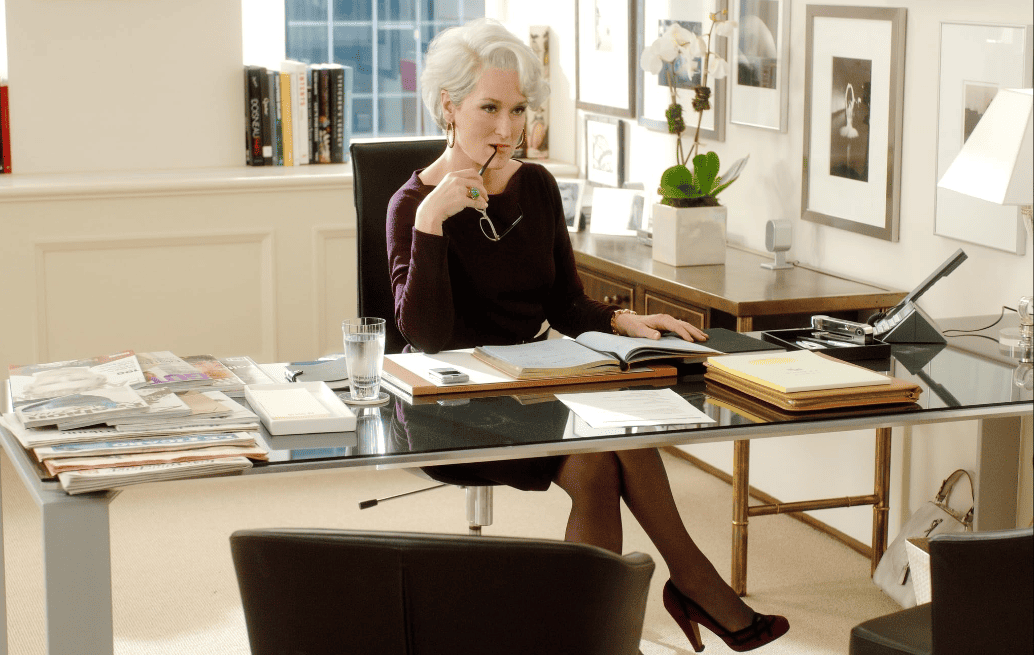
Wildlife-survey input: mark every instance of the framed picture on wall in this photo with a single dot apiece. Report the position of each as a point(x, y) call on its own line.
point(854, 89)
point(572, 193)
point(759, 66)
point(652, 93)
point(976, 61)
point(605, 150)
point(604, 64)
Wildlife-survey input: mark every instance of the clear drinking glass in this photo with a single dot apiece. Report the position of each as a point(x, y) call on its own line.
point(364, 353)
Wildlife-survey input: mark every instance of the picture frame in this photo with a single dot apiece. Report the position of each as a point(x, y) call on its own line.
point(604, 151)
point(976, 60)
point(652, 94)
point(759, 65)
point(853, 118)
point(572, 194)
point(604, 60)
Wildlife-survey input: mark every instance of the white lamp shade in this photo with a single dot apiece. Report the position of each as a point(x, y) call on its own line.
point(995, 164)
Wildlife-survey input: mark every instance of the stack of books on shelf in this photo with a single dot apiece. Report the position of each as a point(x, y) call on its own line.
point(126, 418)
point(5, 127)
point(300, 114)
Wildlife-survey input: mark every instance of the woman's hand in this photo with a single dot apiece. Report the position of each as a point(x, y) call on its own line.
point(652, 325)
point(451, 196)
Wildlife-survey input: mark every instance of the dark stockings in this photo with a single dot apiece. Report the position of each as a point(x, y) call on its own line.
point(596, 482)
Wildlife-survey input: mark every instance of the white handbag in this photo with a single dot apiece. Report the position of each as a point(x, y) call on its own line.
point(934, 517)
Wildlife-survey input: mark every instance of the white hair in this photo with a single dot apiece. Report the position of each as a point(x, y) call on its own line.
point(457, 56)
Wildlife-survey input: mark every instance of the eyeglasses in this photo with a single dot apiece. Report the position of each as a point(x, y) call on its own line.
point(495, 236)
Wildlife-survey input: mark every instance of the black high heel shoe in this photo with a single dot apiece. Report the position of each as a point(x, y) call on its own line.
point(763, 629)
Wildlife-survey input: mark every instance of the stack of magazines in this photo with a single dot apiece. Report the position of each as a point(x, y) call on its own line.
point(126, 418)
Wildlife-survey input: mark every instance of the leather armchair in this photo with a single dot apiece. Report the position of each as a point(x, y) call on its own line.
point(335, 591)
point(982, 600)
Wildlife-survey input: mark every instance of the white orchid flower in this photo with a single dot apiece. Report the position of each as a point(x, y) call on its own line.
point(696, 46)
point(724, 27)
point(650, 61)
point(717, 67)
point(667, 47)
point(689, 66)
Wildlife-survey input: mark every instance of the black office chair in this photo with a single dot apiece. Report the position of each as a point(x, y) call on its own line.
point(379, 168)
point(339, 591)
point(981, 601)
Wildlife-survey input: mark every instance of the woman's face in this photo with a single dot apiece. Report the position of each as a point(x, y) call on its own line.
point(492, 115)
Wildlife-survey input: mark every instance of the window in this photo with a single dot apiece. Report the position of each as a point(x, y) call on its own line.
point(384, 41)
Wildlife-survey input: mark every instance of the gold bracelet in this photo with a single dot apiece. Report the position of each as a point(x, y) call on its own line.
point(614, 319)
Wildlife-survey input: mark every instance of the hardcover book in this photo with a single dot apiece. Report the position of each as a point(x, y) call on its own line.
point(299, 108)
point(287, 118)
point(253, 114)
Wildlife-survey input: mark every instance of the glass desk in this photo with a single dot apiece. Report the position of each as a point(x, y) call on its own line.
point(963, 381)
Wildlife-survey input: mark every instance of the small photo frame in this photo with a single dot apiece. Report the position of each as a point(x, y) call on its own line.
point(572, 194)
point(616, 211)
point(605, 151)
point(604, 61)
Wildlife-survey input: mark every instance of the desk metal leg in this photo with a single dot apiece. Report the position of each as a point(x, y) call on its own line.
point(77, 575)
point(740, 500)
point(881, 491)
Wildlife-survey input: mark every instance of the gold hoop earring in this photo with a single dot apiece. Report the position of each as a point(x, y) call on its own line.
point(521, 143)
point(450, 134)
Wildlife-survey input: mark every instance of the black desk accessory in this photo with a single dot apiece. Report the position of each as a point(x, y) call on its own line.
point(907, 323)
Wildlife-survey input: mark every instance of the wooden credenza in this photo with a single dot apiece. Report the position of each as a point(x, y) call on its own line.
point(739, 295)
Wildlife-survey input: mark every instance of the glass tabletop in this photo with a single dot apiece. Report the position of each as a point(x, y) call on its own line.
point(964, 379)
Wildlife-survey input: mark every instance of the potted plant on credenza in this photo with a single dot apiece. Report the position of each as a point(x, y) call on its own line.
point(689, 222)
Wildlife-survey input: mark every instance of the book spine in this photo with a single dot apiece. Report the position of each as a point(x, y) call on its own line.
point(5, 129)
point(323, 135)
point(314, 114)
point(288, 98)
point(267, 124)
point(337, 115)
point(253, 114)
point(299, 110)
point(347, 123)
point(278, 134)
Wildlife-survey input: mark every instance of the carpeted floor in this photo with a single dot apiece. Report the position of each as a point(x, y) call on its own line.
point(175, 591)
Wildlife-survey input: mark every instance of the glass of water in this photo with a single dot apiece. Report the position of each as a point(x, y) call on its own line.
point(364, 353)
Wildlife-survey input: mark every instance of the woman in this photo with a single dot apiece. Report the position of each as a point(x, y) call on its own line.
point(480, 254)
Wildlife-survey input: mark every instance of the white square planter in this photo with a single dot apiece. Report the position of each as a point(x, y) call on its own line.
point(689, 236)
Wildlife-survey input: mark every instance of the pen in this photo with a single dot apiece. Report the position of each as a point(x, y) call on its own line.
point(494, 151)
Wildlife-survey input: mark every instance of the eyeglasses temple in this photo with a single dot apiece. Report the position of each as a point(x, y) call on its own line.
point(495, 150)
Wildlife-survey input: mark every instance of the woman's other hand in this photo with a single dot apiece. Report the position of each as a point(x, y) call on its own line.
point(451, 196)
point(651, 326)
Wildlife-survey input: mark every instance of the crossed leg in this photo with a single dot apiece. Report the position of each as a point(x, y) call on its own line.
point(596, 482)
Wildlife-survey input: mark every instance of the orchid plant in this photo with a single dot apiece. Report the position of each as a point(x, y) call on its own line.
point(681, 187)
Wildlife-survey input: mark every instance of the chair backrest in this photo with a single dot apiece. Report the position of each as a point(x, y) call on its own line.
point(982, 591)
point(378, 170)
point(338, 591)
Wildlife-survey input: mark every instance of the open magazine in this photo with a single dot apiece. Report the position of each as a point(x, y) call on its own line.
point(591, 353)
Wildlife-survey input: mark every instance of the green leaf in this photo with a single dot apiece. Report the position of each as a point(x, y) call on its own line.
point(705, 172)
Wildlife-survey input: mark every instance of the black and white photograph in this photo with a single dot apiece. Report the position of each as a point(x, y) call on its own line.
point(604, 64)
point(976, 60)
point(976, 97)
point(849, 123)
point(572, 192)
point(854, 88)
point(758, 63)
point(652, 95)
point(604, 151)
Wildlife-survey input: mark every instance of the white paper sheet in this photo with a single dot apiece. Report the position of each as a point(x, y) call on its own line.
point(647, 407)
